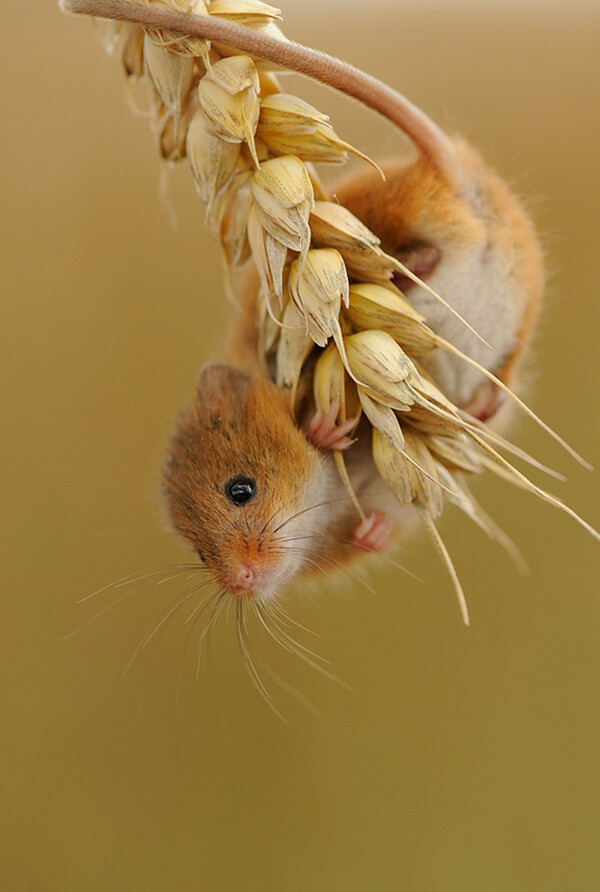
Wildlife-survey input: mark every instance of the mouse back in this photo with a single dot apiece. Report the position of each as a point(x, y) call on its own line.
point(470, 240)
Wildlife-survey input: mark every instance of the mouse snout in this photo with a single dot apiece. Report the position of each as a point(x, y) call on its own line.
point(256, 566)
point(243, 579)
point(253, 578)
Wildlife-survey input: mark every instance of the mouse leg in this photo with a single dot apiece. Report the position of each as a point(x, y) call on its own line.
point(373, 533)
point(324, 431)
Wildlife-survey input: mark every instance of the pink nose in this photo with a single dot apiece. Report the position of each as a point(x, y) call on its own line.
point(243, 578)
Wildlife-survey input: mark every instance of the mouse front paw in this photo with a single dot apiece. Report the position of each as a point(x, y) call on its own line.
point(324, 431)
point(373, 533)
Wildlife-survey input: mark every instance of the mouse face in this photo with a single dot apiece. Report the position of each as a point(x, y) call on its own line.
point(243, 484)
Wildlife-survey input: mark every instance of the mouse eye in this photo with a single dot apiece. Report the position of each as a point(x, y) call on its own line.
point(240, 490)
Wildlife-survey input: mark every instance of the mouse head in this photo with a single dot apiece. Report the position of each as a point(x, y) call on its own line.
point(241, 481)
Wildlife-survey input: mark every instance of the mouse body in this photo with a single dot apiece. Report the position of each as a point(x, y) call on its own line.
point(473, 242)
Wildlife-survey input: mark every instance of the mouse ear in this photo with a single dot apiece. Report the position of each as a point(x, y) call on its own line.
point(217, 381)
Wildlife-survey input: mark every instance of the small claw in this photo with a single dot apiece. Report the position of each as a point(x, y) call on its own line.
point(324, 431)
point(373, 533)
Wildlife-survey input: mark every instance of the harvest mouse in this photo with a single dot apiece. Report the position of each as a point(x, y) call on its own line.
point(254, 491)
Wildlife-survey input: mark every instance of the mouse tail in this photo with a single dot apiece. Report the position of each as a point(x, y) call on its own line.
point(427, 136)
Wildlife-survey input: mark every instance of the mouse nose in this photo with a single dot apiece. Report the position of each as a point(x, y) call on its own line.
point(243, 578)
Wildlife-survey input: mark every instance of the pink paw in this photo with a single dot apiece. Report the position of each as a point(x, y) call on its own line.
point(373, 533)
point(324, 431)
point(486, 401)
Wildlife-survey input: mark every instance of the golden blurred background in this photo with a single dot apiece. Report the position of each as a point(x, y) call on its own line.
point(462, 759)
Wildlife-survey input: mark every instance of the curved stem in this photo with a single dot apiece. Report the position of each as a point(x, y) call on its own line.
point(427, 136)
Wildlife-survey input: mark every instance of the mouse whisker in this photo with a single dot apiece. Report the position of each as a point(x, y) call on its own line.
point(280, 620)
point(274, 613)
point(242, 634)
point(145, 641)
point(176, 574)
point(292, 646)
point(288, 688)
point(206, 599)
point(388, 560)
point(193, 618)
point(97, 616)
point(307, 536)
point(125, 581)
point(199, 609)
point(350, 573)
point(286, 620)
point(227, 609)
point(280, 636)
point(219, 600)
point(284, 685)
point(347, 572)
point(140, 576)
point(310, 508)
point(268, 522)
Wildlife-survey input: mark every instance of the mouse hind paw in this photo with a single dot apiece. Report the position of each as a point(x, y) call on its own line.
point(373, 533)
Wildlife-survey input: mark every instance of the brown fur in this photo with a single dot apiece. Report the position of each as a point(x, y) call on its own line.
point(418, 209)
